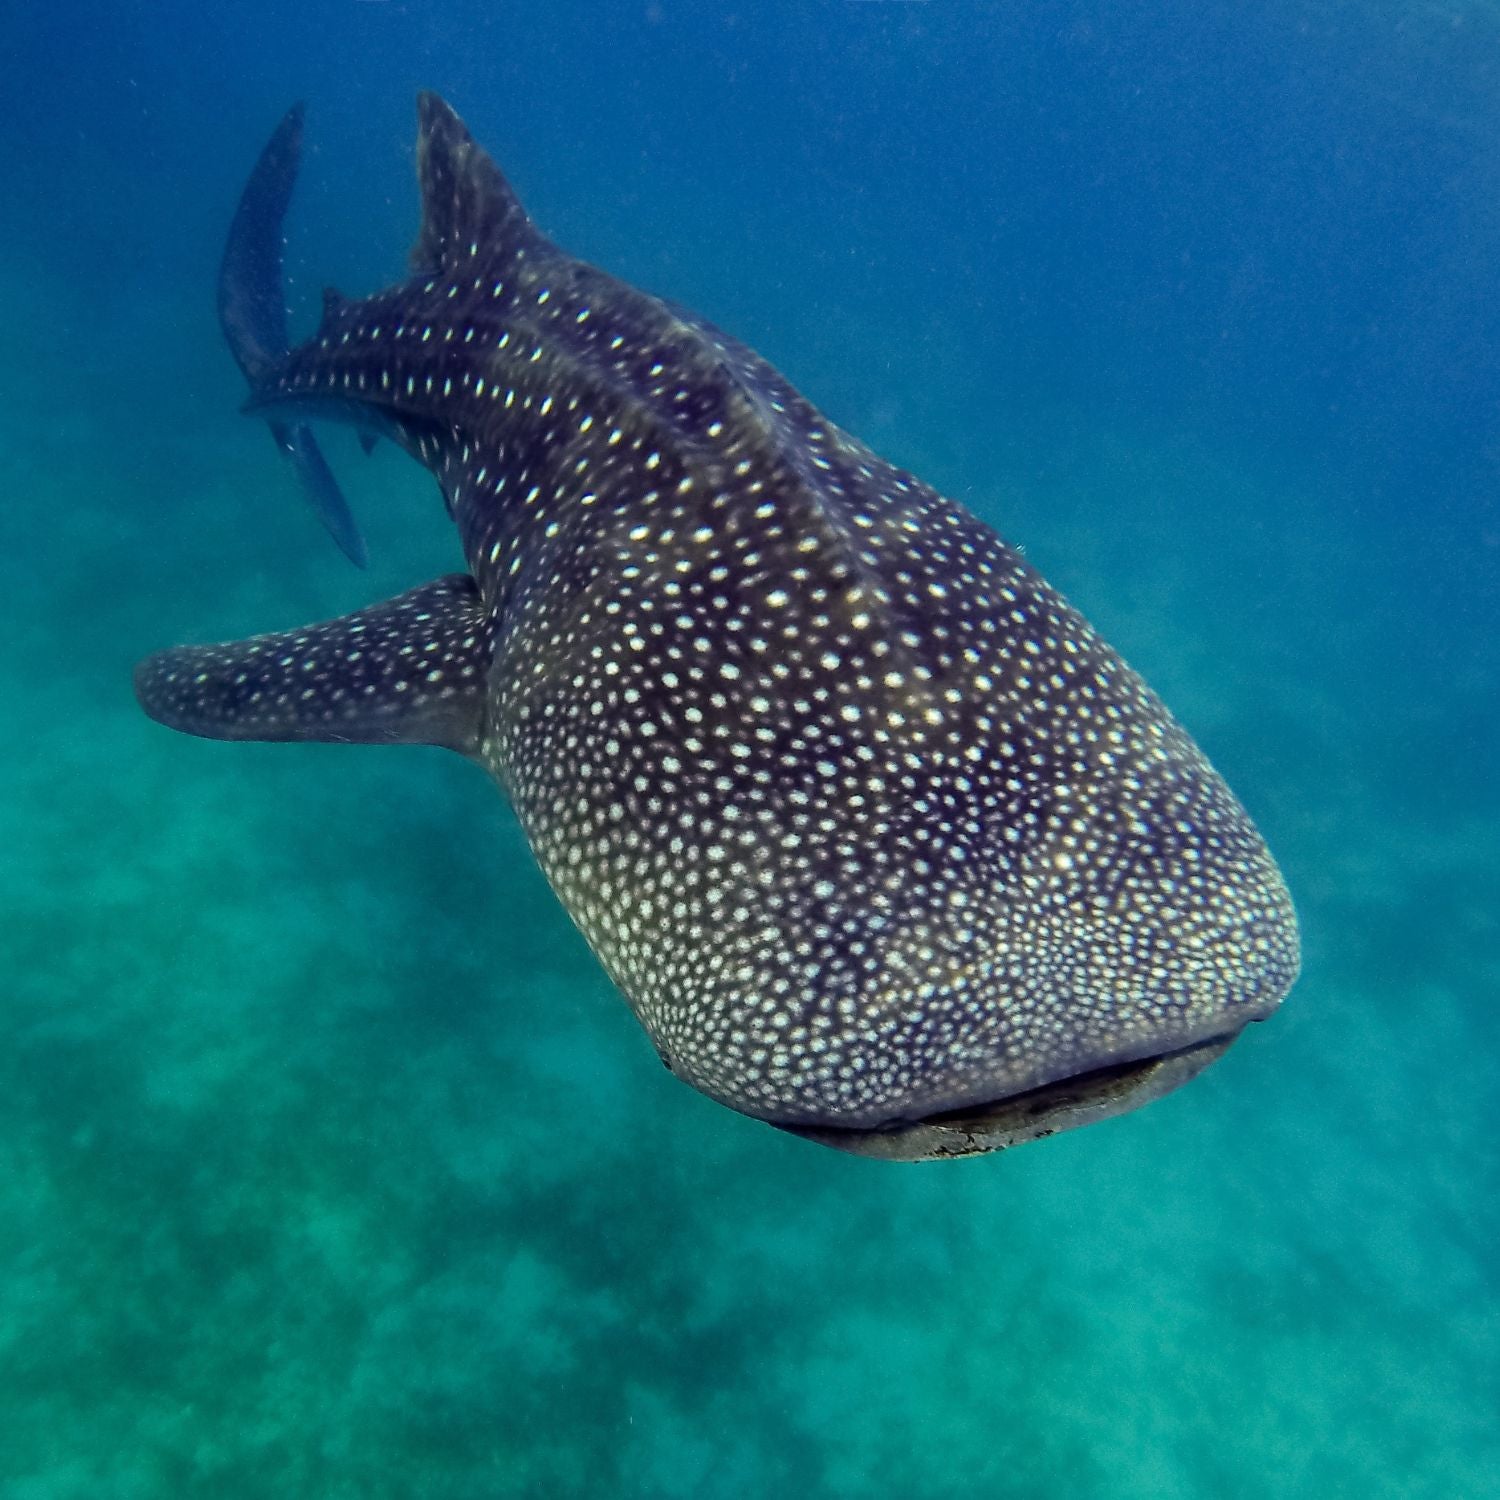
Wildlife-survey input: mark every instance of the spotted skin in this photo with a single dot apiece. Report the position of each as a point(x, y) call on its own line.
point(409, 669)
point(863, 819)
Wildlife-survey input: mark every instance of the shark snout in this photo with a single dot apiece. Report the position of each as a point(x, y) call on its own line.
point(1102, 1021)
point(1012, 1018)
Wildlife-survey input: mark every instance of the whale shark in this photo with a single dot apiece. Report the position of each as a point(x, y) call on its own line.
point(880, 841)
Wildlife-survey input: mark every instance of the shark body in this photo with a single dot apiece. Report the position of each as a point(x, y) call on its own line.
point(881, 842)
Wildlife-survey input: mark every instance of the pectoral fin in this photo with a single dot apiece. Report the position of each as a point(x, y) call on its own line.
point(409, 671)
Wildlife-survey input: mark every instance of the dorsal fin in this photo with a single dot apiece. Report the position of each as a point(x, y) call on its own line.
point(468, 209)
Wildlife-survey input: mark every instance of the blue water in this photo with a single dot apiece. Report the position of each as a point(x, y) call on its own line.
point(330, 1163)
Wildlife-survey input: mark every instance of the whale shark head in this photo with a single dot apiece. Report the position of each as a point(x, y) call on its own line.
point(881, 842)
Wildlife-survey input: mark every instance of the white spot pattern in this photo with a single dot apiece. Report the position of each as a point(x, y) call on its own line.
point(864, 820)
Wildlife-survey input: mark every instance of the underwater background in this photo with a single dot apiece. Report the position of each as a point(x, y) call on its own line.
point(331, 1164)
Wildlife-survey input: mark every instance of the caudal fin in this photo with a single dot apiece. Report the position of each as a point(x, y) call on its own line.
point(252, 313)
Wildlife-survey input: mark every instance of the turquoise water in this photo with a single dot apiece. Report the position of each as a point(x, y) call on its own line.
point(331, 1164)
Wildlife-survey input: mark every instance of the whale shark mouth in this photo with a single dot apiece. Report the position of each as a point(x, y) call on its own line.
point(1063, 1104)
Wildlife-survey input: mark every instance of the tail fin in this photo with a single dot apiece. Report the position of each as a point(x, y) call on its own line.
point(252, 313)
